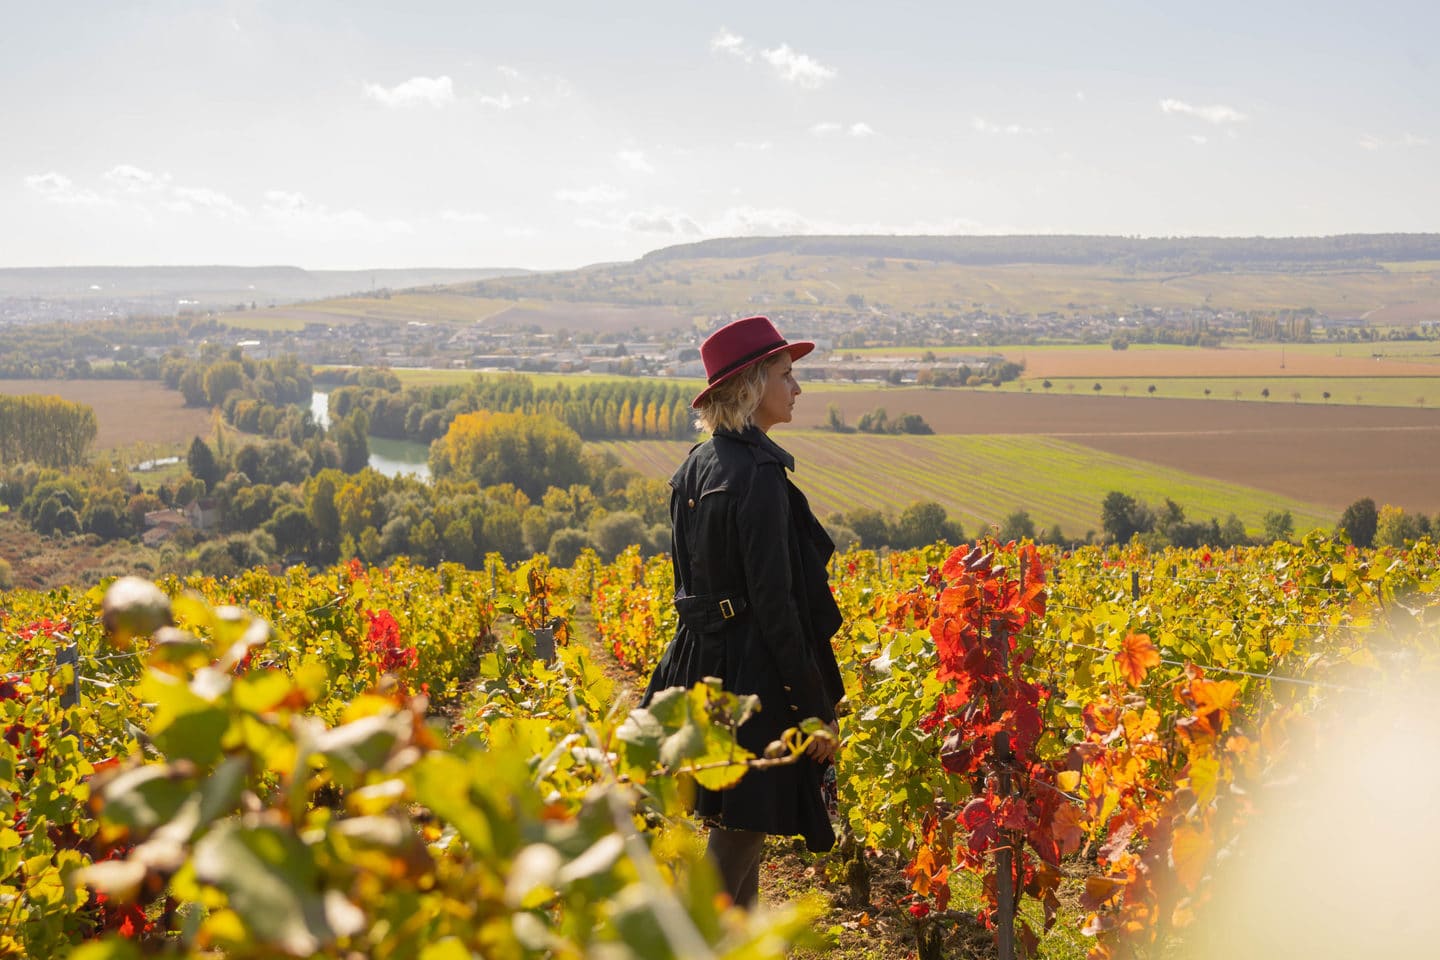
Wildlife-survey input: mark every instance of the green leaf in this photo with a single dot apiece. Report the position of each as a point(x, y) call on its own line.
point(262, 690)
point(111, 948)
point(442, 783)
point(272, 883)
point(184, 725)
point(144, 798)
point(359, 746)
point(641, 735)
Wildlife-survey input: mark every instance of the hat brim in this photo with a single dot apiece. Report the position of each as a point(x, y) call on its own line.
point(797, 350)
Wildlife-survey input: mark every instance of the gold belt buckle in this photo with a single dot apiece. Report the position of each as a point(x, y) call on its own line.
point(727, 610)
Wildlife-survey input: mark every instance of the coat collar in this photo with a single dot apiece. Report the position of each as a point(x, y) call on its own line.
point(759, 439)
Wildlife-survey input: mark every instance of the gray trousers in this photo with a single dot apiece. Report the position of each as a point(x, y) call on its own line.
point(737, 854)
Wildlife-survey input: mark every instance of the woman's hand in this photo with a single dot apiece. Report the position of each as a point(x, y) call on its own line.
point(824, 749)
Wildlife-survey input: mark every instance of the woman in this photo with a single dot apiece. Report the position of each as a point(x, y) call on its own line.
point(753, 598)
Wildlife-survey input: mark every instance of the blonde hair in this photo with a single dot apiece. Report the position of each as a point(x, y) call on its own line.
point(732, 405)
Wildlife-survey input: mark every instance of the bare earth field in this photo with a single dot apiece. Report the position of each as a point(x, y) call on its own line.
point(1327, 455)
point(128, 411)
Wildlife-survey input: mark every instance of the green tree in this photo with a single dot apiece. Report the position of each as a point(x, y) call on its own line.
point(922, 523)
point(1016, 526)
point(1122, 516)
point(351, 435)
point(565, 546)
point(1359, 522)
point(614, 532)
point(870, 525)
point(202, 464)
point(222, 378)
point(291, 529)
point(320, 492)
point(1278, 525)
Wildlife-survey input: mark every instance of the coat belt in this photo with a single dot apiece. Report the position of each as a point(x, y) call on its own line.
point(711, 612)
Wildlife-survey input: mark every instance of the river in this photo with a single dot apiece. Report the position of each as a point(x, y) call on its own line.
point(390, 457)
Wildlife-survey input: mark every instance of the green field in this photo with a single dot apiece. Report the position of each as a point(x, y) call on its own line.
point(267, 321)
point(981, 479)
point(1415, 350)
point(1359, 391)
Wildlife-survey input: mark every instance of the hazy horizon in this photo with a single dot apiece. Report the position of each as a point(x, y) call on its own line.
point(351, 136)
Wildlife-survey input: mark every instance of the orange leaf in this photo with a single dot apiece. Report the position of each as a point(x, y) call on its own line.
point(1099, 891)
point(1136, 657)
point(1190, 851)
point(1067, 829)
point(1213, 694)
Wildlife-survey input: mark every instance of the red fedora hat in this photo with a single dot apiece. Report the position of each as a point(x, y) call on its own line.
point(739, 345)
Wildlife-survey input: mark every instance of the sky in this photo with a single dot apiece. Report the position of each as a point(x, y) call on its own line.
point(551, 135)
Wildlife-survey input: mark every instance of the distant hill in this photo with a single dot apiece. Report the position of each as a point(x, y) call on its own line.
point(1149, 253)
point(1383, 278)
point(221, 286)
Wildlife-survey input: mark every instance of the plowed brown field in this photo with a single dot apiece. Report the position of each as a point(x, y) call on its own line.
point(128, 411)
point(1324, 454)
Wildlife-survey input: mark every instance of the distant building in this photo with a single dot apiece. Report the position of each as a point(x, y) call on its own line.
point(203, 513)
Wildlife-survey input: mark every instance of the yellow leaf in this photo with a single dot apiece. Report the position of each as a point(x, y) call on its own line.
point(1204, 778)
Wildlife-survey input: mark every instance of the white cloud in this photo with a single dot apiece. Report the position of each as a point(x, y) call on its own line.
point(186, 199)
point(295, 211)
point(745, 221)
point(434, 91)
point(134, 180)
point(759, 221)
point(601, 193)
point(665, 222)
point(463, 216)
point(634, 160)
point(733, 44)
point(1214, 113)
point(861, 130)
point(798, 68)
point(58, 188)
point(508, 72)
point(1080, 96)
point(982, 125)
point(504, 102)
point(760, 145)
point(826, 128)
point(1372, 142)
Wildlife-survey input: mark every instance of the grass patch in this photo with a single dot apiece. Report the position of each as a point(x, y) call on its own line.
point(980, 479)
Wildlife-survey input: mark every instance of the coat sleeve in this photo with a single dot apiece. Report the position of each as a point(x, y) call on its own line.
point(763, 518)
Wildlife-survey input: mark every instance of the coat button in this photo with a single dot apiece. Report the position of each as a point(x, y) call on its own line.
point(692, 503)
point(787, 688)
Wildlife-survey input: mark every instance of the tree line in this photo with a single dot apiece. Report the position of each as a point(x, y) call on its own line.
point(605, 410)
point(50, 431)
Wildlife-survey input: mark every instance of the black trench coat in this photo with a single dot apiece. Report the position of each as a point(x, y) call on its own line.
point(756, 611)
